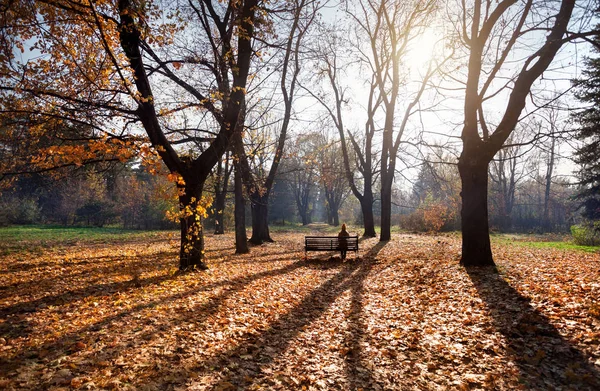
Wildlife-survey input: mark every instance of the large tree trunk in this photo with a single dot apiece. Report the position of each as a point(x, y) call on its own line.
point(305, 218)
point(386, 210)
point(336, 217)
point(241, 240)
point(191, 251)
point(476, 249)
point(260, 219)
point(366, 204)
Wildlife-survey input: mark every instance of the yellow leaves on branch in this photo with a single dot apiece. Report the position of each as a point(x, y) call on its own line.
point(192, 214)
point(216, 95)
point(80, 154)
point(177, 179)
point(150, 159)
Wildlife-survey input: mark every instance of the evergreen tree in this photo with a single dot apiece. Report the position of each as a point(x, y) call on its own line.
point(588, 155)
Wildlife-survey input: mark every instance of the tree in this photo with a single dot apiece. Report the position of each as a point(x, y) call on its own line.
point(389, 27)
point(333, 180)
point(493, 33)
point(553, 120)
point(31, 144)
point(115, 66)
point(357, 149)
point(507, 169)
point(302, 167)
point(282, 205)
point(588, 133)
point(259, 187)
point(221, 186)
point(435, 194)
point(241, 240)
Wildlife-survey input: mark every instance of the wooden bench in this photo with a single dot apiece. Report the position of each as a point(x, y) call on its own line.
point(331, 243)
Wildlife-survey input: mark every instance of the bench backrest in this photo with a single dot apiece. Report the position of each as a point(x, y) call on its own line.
point(331, 243)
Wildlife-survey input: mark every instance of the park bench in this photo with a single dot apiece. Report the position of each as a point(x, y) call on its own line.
point(330, 243)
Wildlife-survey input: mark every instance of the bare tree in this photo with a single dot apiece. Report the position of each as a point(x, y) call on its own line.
point(355, 149)
point(332, 178)
point(389, 27)
point(507, 169)
point(495, 34)
point(259, 187)
point(551, 116)
point(302, 168)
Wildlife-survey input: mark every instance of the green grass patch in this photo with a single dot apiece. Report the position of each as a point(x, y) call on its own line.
point(559, 242)
point(562, 246)
point(34, 237)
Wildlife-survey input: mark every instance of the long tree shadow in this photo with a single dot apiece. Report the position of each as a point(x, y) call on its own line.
point(359, 375)
point(73, 295)
point(62, 345)
point(104, 272)
point(107, 262)
point(545, 359)
point(271, 343)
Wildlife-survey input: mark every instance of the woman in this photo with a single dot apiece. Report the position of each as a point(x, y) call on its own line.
point(343, 243)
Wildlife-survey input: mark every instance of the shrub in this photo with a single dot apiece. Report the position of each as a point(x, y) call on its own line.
point(586, 235)
point(19, 211)
point(433, 215)
point(96, 213)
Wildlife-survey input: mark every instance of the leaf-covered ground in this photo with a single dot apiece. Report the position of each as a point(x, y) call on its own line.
point(401, 316)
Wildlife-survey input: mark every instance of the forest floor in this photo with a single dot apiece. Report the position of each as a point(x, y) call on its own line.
point(402, 315)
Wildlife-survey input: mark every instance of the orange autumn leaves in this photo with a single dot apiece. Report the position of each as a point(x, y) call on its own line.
point(402, 315)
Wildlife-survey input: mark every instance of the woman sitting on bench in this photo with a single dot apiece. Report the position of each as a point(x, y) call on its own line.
point(343, 243)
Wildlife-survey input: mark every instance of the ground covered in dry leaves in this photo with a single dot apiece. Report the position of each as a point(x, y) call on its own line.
point(399, 316)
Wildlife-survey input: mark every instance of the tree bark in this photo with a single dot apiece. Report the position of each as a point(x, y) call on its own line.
point(241, 240)
point(476, 249)
point(366, 204)
point(305, 218)
point(332, 206)
point(191, 250)
point(260, 219)
point(386, 210)
point(221, 186)
point(335, 217)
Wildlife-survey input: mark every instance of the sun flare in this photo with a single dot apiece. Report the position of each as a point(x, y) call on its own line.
point(423, 49)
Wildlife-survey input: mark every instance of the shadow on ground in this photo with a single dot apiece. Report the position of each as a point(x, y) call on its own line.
point(545, 359)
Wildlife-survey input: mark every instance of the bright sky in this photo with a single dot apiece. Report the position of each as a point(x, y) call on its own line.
point(446, 117)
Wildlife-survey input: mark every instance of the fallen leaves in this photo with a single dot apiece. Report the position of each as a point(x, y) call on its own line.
point(400, 316)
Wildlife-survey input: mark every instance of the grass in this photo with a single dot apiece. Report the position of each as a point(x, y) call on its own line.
point(34, 237)
point(562, 246)
point(559, 242)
